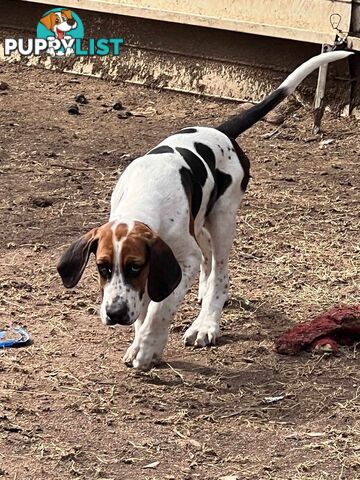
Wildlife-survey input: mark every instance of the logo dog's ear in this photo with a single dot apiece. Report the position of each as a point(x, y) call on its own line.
point(49, 20)
point(74, 260)
point(164, 273)
point(67, 13)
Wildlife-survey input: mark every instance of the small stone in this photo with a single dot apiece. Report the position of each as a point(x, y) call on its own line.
point(4, 86)
point(74, 110)
point(274, 118)
point(124, 115)
point(42, 202)
point(288, 179)
point(80, 98)
point(117, 106)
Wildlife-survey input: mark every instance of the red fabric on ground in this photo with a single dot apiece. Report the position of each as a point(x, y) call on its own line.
point(341, 324)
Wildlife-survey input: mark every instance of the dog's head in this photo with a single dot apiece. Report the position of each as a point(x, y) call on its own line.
point(132, 262)
point(59, 22)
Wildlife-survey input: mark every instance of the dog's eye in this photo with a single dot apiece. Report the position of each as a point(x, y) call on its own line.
point(57, 20)
point(105, 270)
point(133, 270)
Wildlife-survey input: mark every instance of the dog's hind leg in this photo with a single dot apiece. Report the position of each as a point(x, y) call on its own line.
point(221, 224)
point(204, 241)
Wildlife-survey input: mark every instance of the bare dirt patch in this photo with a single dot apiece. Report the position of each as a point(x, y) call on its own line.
point(69, 408)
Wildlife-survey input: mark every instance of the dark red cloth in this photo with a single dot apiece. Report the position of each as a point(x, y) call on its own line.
point(340, 325)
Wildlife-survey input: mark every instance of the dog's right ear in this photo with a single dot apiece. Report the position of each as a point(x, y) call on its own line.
point(49, 20)
point(74, 260)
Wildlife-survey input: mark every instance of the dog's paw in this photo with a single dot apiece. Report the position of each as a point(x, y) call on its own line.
point(143, 355)
point(146, 359)
point(201, 334)
point(130, 355)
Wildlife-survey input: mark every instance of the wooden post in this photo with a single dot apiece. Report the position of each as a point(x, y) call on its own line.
point(320, 93)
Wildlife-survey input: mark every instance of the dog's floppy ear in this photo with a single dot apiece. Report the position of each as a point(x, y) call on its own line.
point(49, 20)
point(164, 271)
point(73, 261)
point(67, 13)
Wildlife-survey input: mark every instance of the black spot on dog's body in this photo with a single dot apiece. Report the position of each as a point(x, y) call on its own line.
point(207, 155)
point(192, 189)
point(199, 175)
point(222, 182)
point(245, 163)
point(197, 167)
point(186, 130)
point(212, 200)
point(161, 149)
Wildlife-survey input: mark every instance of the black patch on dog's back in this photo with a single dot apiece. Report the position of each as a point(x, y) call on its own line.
point(193, 191)
point(186, 130)
point(197, 167)
point(245, 163)
point(222, 182)
point(161, 149)
point(207, 155)
point(212, 200)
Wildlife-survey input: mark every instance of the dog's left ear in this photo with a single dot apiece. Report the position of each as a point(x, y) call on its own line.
point(67, 13)
point(164, 273)
point(49, 20)
point(74, 260)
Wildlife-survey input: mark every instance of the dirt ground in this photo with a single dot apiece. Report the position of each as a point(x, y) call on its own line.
point(69, 407)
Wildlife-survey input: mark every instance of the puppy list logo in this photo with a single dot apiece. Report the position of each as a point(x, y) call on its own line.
point(60, 32)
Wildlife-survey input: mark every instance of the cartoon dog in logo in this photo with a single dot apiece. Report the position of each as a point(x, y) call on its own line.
point(59, 23)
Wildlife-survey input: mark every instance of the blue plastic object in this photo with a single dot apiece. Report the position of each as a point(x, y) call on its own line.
point(20, 338)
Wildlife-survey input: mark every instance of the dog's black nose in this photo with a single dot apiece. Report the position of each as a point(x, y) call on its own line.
point(71, 22)
point(118, 314)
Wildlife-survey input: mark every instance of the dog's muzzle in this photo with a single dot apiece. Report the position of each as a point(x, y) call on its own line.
point(118, 314)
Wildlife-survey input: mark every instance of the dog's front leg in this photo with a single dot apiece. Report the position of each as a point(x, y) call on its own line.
point(133, 350)
point(152, 335)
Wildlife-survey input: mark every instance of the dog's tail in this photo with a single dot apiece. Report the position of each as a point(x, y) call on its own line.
point(238, 124)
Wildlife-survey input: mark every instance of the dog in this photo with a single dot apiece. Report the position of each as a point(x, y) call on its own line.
point(173, 213)
point(59, 23)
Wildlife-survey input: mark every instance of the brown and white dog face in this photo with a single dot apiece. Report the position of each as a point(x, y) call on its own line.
point(59, 22)
point(132, 262)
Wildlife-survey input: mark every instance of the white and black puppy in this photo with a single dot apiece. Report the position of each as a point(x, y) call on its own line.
point(173, 212)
